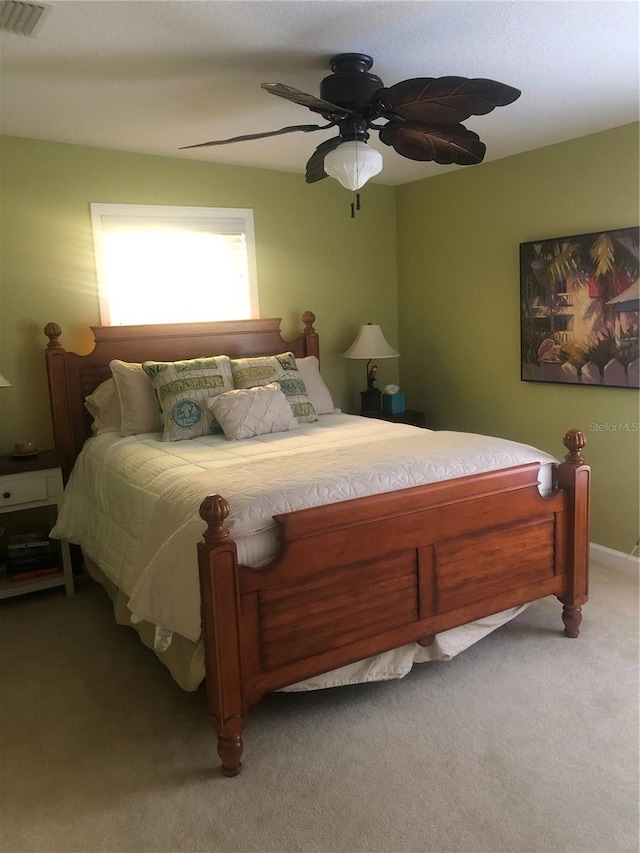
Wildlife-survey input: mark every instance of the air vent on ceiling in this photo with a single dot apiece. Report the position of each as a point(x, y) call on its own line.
point(21, 18)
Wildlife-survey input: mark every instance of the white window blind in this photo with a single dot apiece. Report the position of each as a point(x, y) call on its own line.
point(167, 264)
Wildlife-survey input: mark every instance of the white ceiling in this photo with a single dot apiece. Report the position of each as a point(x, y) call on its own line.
point(152, 75)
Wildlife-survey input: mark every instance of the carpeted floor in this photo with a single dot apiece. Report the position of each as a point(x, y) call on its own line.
point(525, 743)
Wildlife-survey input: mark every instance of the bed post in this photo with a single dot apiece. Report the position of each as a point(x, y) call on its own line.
point(61, 419)
point(311, 345)
point(573, 477)
point(218, 563)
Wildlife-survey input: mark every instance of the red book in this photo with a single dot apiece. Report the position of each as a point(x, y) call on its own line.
point(35, 573)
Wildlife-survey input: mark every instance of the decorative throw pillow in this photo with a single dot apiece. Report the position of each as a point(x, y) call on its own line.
point(253, 411)
point(319, 394)
point(264, 369)
point(138, 402)
point(104, 407)
point(184, 388)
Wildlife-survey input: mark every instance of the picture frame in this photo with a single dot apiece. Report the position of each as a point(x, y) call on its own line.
point(579, 309)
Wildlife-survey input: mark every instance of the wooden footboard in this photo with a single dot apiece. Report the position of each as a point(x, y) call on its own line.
point(363, 576)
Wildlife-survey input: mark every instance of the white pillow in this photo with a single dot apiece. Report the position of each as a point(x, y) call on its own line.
point(265, 369)
point(104, 407)
point(253, 411)
point(184, 388)
point(138, 401)
point(319, 394)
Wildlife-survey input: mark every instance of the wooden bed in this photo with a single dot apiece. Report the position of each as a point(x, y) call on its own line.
point(359, 577)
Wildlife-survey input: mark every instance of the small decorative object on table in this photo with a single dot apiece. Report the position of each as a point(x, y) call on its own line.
point(393, 402)
point(24, 448)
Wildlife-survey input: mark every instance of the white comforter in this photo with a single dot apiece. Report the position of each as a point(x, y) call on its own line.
point(132, 503)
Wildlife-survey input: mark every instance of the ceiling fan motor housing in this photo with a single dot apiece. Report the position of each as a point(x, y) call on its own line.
point(350, 85)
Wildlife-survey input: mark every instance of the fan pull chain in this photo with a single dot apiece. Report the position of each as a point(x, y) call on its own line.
point(356, 206)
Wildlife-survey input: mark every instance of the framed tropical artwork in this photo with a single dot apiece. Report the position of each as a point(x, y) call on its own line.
point(580, 298)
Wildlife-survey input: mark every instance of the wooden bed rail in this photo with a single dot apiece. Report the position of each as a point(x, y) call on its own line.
point(363, 576)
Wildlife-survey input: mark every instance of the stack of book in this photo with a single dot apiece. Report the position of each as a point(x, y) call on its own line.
point(31, 555)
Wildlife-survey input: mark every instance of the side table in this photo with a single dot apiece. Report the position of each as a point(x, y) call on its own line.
point(27, 485)
point(409, 416)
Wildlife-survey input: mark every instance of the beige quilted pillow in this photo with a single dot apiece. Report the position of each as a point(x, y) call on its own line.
point(253, 411)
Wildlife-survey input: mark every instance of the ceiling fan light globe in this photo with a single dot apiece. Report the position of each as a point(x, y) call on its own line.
point(353, 164)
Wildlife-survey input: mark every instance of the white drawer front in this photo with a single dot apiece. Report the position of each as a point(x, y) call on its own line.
point(22, 490)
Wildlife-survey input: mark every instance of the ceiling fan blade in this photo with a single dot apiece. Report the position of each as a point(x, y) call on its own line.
point(315, 164)
point(442, 144)
point(444, 100)
point(318, 105)
point(305, 128)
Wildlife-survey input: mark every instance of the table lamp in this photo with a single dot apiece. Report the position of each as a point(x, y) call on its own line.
point(370, 343)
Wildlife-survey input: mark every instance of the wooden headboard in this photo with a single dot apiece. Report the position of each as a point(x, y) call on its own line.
point(73, 377)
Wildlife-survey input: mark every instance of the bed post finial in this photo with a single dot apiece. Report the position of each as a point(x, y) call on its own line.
point(311, 345)
point(214, 510)
point(574, 440)
point(53, 332)
point(308, 318)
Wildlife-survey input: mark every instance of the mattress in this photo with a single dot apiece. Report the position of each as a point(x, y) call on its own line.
point(132, 503)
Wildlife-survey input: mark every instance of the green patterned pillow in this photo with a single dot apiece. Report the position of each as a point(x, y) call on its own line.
point(264, 369)
point(183, 388)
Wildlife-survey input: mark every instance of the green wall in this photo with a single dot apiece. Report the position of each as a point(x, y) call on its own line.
point(458, 296)
point(310, 256)
point(451, 304)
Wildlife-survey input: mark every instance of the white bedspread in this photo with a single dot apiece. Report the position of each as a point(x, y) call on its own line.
point(132, 503)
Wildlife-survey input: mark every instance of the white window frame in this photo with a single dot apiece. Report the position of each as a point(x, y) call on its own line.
point(223, 220)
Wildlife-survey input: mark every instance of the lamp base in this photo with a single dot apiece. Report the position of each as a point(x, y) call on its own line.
point(370, 401)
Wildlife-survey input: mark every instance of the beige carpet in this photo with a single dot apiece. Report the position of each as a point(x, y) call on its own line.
point(527, 742)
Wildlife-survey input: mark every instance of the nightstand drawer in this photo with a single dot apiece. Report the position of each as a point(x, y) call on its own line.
point(22, 490)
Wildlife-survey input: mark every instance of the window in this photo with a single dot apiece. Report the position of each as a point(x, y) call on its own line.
point(165, 264)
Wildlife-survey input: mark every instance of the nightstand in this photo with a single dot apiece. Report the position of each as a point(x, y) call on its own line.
point(30, 497)
point(409, 416)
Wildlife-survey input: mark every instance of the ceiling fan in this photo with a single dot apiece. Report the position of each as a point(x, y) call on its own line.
point(421, 119)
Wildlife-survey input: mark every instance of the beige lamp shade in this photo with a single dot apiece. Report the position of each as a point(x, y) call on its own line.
point(4, 383)
point(370, 343)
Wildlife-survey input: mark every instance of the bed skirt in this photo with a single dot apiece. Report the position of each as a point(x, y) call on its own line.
point(185, 659)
